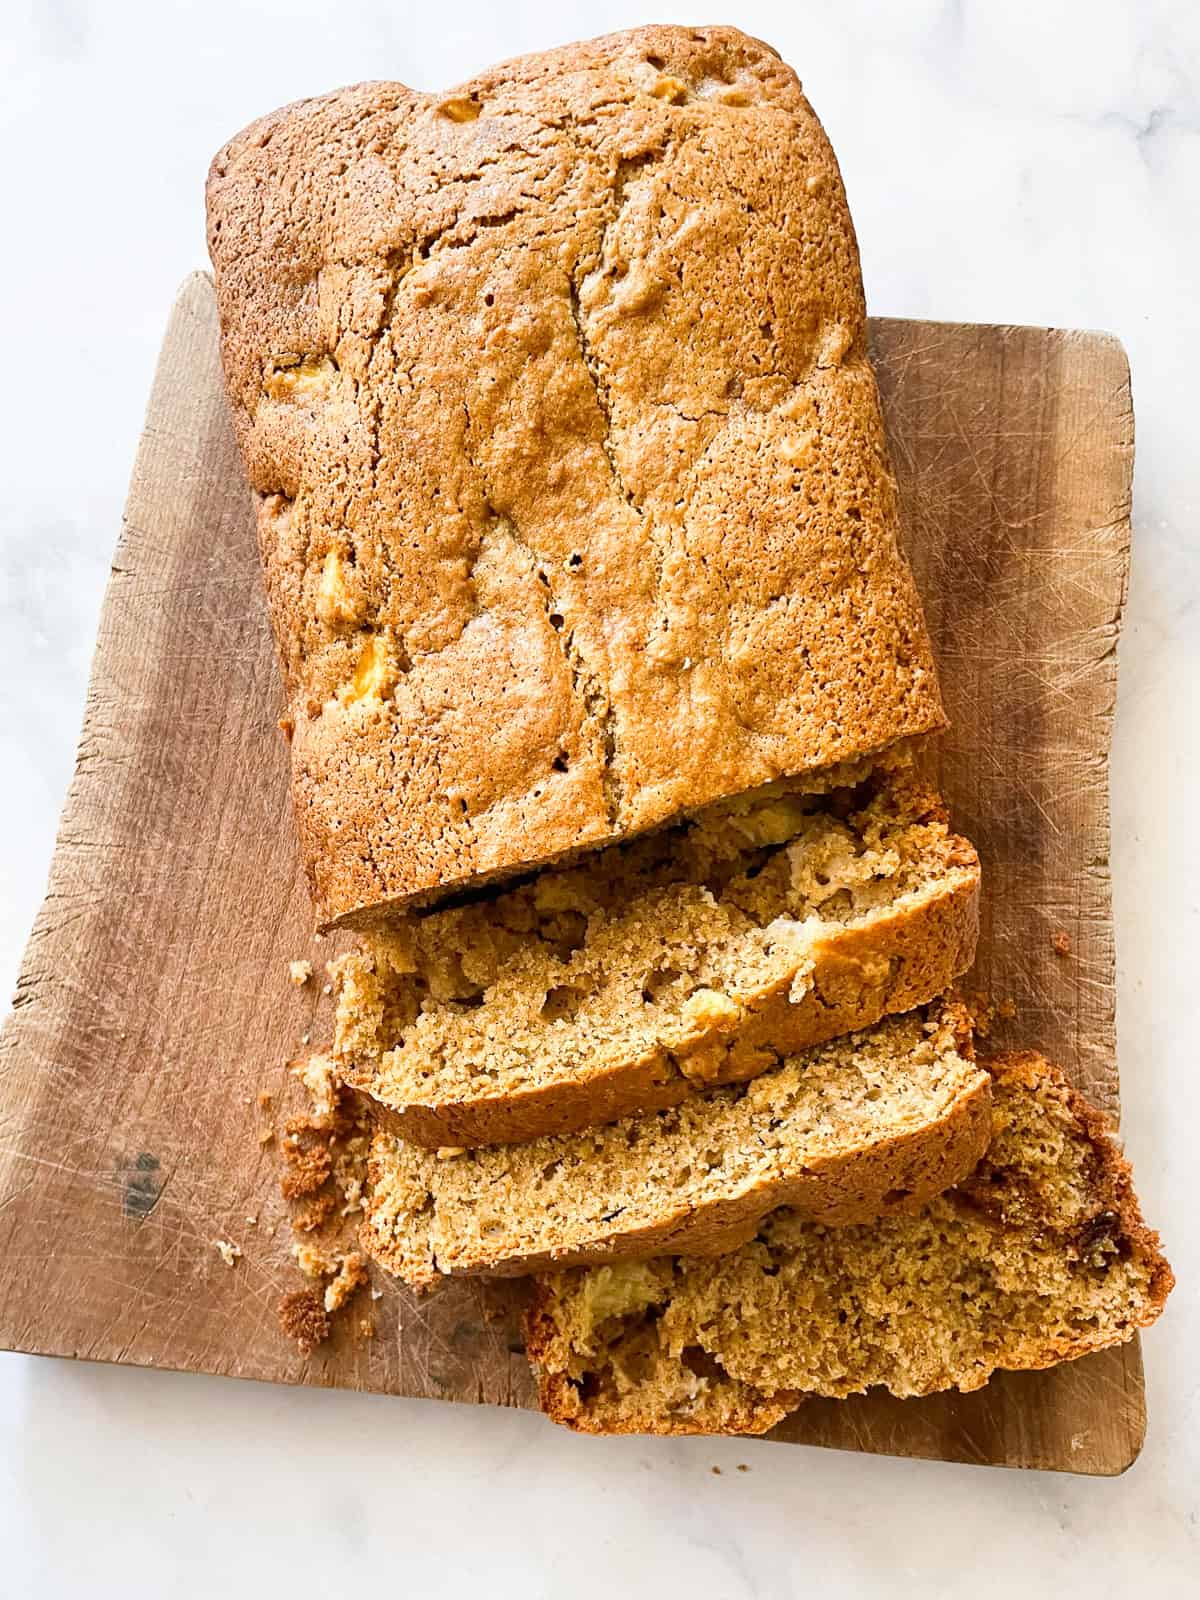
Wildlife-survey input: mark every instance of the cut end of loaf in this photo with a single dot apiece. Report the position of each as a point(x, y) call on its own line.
point(697, 956)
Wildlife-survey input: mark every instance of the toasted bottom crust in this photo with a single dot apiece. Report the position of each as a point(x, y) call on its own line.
point(747, 1412)
point(860, 974)
point(732, 1405)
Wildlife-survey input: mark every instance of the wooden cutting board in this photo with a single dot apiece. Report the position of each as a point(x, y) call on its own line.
point(154, 1000)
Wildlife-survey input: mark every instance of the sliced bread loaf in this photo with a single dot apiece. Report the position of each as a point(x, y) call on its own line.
point(697, 956)
point(855, 1128)
point(1038, 1257)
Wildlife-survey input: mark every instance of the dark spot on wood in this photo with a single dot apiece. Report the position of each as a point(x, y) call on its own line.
point(143, 1187)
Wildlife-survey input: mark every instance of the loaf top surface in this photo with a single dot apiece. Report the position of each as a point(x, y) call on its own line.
point(572, 487)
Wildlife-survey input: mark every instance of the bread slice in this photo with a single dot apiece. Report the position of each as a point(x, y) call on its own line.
point(573, 491)
point(864, 1125)
point(1039, 1256)
point(697, 956)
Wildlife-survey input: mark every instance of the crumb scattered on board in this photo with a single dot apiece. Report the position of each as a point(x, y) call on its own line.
point(300, 972)
point(324, 1154)
point(303, 1319)
point(1060, 943)
point(985, 1011)
point(228, 1251)
point(351, 1275)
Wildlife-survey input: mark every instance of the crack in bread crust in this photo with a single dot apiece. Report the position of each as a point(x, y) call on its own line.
point(520, 294)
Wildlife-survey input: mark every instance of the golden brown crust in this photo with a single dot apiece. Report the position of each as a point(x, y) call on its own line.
point(874, 1174)
point(745, 1411)
point(736, 1409)
point(539, 477)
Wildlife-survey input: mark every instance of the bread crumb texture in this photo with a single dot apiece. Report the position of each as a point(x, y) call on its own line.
point(300, 972)
point(229, 1253)
point(865, 1125)
point(697, 955)
point(1039, 1256)
point(325, 1166)
point(573, 493)
point(303, 1319)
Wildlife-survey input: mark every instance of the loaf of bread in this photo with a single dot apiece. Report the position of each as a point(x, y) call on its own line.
point(572, 490)
point(1039, 1257)
point(860, 1127)
point(697, 955)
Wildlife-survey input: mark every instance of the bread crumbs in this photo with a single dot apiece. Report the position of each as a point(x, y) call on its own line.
point(312, 1260)
point(303, 1318)
point(324, 1177)
point(228, 1252)
point(351, 1275)
point(300, 972)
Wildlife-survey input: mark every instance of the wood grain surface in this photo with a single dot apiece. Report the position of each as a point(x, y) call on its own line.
point(154, 999)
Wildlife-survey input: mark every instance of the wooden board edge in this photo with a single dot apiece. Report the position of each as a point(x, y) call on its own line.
point(190, 300)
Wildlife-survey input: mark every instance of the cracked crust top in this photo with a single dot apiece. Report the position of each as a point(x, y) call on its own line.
point(573, 497)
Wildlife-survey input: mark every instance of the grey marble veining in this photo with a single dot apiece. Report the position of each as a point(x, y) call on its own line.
point(1025, 162)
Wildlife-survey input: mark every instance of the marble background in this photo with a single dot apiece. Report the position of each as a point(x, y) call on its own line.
point(1027, 161)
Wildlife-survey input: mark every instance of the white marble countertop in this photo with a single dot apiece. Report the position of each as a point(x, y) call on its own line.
point(1034, 161)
